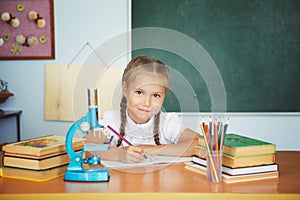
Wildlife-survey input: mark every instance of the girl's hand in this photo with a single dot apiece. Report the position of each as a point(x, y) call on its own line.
point(131, 154)
point(151, 149)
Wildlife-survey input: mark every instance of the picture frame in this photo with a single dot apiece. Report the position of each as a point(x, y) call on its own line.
point(27, 30)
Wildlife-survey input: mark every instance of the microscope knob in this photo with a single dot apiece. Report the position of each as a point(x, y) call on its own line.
point(93, 160)
point(85, 126)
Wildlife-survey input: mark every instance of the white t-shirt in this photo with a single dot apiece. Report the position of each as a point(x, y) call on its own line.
point(170, 129)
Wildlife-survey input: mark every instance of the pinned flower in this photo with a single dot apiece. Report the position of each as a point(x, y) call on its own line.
point(41, 23)
point(20, 7)
point(13, 21)
point(20, 39)
point(6, 37)
point(34, 16)
point(16, 49)
point(5, 16)
point(32, 41)
point(1, 41)
point(43, 39)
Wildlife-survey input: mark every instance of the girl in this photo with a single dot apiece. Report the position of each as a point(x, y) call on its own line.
point(140, 120)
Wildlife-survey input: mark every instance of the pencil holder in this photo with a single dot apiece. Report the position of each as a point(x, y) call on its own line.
point(214, 166)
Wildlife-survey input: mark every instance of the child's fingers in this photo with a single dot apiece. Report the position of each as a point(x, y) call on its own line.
point(134, 154)
point(135, 149)
point(133, 158)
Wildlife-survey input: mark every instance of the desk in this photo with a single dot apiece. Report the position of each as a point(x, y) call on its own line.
point(169, 182)
point(16, 114)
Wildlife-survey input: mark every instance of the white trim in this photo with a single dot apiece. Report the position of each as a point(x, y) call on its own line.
point(239, 113)
point(129, 29)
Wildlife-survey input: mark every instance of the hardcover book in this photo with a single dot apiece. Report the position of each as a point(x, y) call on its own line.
point(248, 161)
point(241, 161)
point(33, 175)
point(39, 147)
point(237, 145)
point(200, 169)
point(240, 170)
point(36, 164)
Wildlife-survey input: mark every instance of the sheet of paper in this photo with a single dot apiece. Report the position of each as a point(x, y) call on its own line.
point(154, 160)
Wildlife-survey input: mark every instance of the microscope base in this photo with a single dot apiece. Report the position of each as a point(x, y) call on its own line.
point(88, 175)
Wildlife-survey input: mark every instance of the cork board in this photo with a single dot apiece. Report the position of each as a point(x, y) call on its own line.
point(27, 30)
point(65, 101)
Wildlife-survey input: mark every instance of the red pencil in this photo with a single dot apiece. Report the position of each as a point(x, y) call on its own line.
point(120, 136)
point(126, 141)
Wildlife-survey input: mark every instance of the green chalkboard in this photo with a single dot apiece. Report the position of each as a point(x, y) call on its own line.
point(254, 45)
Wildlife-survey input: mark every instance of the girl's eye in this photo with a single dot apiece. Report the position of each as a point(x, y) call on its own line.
point(139, 92)
point(156, 95)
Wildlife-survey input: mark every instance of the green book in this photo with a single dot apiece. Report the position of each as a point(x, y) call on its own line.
point(236, 145)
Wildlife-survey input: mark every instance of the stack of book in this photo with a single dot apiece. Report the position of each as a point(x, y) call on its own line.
point(244, 159)
point(38, 159)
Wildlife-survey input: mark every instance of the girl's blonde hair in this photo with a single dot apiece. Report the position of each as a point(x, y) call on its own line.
point(142, 65)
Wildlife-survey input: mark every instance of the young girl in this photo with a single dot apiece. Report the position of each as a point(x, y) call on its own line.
point(140, 120)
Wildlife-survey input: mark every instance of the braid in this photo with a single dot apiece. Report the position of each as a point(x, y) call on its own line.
point(156, 128)
point(123, 106)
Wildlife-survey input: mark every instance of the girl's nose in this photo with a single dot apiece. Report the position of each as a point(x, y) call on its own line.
point(147, 101)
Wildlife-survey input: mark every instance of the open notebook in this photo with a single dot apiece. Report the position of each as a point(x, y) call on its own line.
point(151, 161)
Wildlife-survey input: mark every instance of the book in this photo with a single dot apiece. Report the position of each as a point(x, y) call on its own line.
point(226, 178)
point(35, 163)
point(241, 161)
point(248, 161)
point(42, 146)
point(33, 175)
point(249, 177)
point(237, 145)
point(154, 160)
point(240, 170)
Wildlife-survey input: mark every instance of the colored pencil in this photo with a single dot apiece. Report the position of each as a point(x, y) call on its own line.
point(209, 153)
point(214, 134)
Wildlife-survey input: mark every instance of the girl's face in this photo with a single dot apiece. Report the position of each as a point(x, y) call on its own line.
point(145, 95)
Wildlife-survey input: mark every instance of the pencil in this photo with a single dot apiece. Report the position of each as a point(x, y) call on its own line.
point(119, 135)
point(216, 136)
point(126, 141)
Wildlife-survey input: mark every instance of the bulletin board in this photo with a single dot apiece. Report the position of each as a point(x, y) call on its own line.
point(27, 29)
point(255, 45)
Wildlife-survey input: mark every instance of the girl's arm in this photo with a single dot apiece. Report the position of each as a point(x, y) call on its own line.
point(185, 146)
point(129, 154)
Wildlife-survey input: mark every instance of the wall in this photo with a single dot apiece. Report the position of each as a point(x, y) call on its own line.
point(77, 22)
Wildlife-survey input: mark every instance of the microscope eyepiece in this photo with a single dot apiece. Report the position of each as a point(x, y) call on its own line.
point(92, 97)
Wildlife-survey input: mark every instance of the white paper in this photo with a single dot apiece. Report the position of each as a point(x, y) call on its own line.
point(154, 160)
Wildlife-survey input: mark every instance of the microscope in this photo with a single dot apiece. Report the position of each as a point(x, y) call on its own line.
point(86, 124)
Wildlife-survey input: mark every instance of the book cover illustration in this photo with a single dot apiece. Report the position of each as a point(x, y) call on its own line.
point(42, 142)
point(41, 146)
